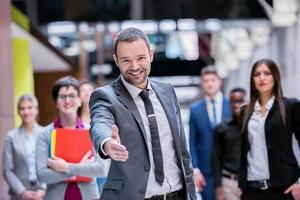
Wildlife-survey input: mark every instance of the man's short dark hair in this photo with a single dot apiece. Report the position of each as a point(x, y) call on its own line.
point(129, 35)
point(238, 89)
point(209, 70)
point(66, 81)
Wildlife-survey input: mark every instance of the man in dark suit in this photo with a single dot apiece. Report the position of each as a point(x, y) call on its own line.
point(137, 123)
point(205, 115)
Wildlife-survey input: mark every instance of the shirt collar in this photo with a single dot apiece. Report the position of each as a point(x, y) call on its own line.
point(218, 97)
point(79, 123)
point(134, 91)
point(34, 126)
point(268, 106)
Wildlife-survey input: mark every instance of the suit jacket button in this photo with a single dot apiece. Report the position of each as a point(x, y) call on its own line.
point(142, 191)
point(146, 169)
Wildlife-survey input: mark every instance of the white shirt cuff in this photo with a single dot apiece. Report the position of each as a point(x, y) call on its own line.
point(197, 170)
point(102, 144)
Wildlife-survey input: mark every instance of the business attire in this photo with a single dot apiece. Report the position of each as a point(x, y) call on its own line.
point(227, 157)
point(204, 116)
point(57, 188)
point(121, 103)
point(105, 167)
point(268, 164)
point(19, 169)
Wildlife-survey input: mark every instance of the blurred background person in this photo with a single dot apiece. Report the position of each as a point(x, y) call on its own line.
point(268, 165)
point(227, 150)
point(55, 170)
point(86, 88)
point(205, 115)
point(19, 153)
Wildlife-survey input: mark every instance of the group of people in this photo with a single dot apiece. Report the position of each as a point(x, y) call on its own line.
point(243, 150)
point(27, 168)
point(238, 150)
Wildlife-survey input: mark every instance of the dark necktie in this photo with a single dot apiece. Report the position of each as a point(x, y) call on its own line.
point(214, 122)
point(156, 147)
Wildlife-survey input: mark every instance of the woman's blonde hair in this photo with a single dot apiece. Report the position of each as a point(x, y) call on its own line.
point(28, 97)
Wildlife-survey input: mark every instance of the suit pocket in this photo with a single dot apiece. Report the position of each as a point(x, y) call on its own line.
point(289, 159)
point(113, 184)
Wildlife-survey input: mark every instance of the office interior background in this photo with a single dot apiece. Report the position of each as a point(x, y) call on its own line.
point(59, 37)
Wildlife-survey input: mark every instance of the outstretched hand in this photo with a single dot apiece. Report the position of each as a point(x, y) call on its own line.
point(113, 147)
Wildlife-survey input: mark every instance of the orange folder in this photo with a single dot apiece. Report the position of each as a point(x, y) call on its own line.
point(71, 145)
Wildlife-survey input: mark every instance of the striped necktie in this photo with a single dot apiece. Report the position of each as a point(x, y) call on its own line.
point(155, 141)
point(214, 111)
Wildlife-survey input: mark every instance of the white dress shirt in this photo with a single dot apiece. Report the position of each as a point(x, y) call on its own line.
point(30, 144)
point(218, 104)
point(258, 163)
point(172, 181)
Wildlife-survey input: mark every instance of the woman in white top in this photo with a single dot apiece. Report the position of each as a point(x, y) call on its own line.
point(269, 170)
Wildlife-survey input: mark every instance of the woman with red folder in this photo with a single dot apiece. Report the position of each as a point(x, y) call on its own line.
point(54, 170)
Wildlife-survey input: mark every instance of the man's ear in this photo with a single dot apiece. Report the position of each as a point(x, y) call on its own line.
point(151, 52)
point(115, 59)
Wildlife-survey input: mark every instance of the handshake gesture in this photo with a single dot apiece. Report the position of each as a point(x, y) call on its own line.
point(113, 147)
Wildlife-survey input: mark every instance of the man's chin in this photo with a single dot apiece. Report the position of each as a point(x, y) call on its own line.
point(136, 81)
point(68, 112)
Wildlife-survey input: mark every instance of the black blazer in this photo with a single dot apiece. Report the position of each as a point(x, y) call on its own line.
point(283, 167)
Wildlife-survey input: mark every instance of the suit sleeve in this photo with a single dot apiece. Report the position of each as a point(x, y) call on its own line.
point(244, 148)
point(8, 166)
point(102, 119)
point(193, 138)
point(186, 158)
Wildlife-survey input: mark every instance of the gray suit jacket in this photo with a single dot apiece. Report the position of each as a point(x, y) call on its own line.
point(15, 163)
point(113, 105)
point(56, 186)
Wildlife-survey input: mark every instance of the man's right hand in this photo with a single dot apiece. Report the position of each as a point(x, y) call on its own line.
point(113, 147)
point(220, 193)
point(199, 180)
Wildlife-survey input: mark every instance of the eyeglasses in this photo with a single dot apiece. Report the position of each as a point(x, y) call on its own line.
point(63, 97)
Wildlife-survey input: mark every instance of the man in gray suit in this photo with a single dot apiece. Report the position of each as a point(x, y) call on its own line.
point(137, 123)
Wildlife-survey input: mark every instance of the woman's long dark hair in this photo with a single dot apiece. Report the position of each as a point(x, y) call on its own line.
point(254, 94)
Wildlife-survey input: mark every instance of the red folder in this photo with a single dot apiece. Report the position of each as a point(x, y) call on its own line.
point(71, 145)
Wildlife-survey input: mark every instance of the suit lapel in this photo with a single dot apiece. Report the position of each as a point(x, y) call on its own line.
point(268, 124)
point(205, 113)
point(128, 102)
point(171, 115)
point(225, 111)
point(272, 110)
